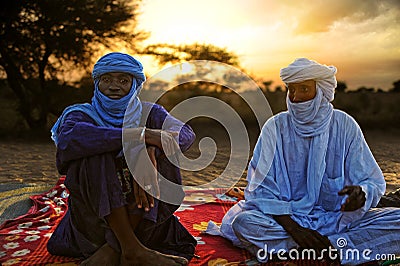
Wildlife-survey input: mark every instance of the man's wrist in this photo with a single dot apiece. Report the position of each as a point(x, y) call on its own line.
point(287, 223)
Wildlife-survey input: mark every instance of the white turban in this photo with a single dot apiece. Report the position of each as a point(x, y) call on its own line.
point(304, 69)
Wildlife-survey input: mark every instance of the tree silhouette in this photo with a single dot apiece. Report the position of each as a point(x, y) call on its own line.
point(364, 89)
point(266, 86)
point(396, 86)
point(341, 86)
point(169, 53)
point(40, 38)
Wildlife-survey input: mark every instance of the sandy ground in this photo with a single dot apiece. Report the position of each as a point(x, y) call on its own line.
point(24, 161)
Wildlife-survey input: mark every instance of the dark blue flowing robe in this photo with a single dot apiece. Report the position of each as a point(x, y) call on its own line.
point(86, 154)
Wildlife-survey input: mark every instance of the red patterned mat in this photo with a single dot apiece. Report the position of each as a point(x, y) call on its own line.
point(23, 240)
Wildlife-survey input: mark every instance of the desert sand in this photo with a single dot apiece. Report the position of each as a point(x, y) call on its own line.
point(33, 161)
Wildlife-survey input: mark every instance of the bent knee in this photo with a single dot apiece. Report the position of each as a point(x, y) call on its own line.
point(253, 222)
point(239, 224)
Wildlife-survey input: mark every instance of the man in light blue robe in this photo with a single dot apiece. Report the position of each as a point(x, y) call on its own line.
point(313, 182)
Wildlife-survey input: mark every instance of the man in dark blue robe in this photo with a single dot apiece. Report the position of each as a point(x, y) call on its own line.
point(111, 218)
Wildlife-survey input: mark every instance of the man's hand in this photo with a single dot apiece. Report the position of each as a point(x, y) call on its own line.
point(308, 238)
point(311, 239)
point(164, 140)
point(304, 237)
point(145, 185)
point(355, 200)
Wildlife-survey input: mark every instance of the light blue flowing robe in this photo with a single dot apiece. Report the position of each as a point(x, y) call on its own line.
point(278, 185)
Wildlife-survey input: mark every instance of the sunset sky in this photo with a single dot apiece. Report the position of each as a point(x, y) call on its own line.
point(360, 37)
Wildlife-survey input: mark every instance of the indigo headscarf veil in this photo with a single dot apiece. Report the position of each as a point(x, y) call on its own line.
point(105, 111)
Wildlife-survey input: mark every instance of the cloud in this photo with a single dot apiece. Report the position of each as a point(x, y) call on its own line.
point(321, 15)
point(361, 37)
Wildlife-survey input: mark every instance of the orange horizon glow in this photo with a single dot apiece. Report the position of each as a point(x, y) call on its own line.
point(359, 37)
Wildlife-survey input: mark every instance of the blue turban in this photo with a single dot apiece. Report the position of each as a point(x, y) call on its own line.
point(105, 111)
point(119, 62)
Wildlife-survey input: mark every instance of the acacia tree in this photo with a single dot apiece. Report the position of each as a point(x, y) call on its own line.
point(169, 53)
point(38, 38)
point(396, 86)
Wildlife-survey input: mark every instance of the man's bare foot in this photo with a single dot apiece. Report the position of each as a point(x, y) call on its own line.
point(153, 258)
point(105, 255)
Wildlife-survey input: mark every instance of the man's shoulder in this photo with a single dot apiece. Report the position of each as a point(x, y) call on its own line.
point(153, 107)
point(343, 117)
point(277, 121)
point(346, 124)
point(284, 115)
point(281, 118)
point(149, 104)
point(79, 112)
point(341, 113)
